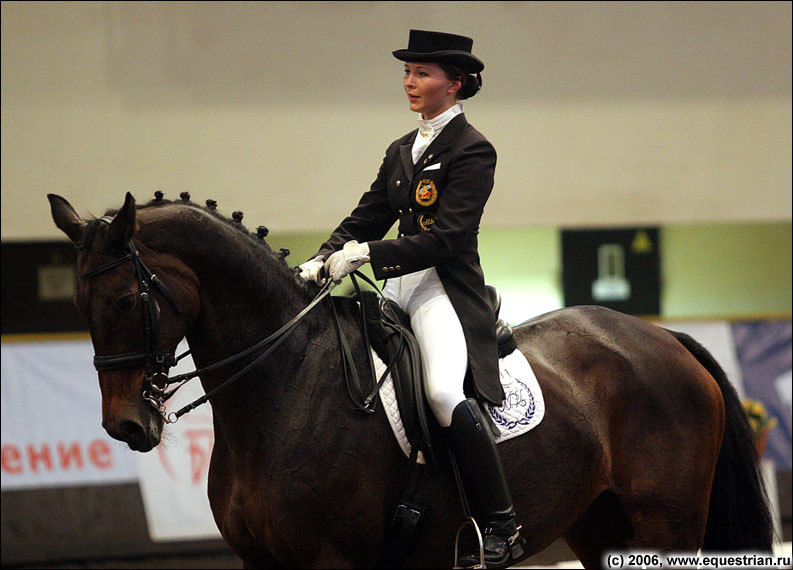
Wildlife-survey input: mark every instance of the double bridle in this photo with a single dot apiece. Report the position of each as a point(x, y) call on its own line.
point(157, 361)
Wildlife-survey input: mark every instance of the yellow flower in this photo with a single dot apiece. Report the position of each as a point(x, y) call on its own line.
point(758, 417)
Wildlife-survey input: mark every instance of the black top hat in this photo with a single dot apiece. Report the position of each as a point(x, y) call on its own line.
point(439, 47)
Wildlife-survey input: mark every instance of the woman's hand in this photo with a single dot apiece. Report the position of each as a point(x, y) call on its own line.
point(346, 260)
point(312, 270)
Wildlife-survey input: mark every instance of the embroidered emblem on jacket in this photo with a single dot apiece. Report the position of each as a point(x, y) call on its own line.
point(426, 192)
point(425, 220)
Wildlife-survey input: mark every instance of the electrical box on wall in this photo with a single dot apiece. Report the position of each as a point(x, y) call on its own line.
point(616, 268)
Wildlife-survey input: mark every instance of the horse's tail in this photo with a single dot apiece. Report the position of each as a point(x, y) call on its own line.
point(738, 515)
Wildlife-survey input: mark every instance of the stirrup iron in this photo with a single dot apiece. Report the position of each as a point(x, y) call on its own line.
point(471, 522)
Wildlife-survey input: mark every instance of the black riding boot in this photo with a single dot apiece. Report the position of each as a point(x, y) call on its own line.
point(479, 464)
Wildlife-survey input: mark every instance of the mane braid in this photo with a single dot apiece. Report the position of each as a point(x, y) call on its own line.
point(236, 226)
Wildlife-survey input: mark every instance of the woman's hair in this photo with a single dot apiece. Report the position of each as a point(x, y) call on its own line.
point(471, 84)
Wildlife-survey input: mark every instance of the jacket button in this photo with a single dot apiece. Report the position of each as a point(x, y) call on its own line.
point(410, 210)
point(391, 269)
point(401, 212)
point(398, 182)
point(398, 268)
point(385, 269)
point(401, 235)
point(428, 158)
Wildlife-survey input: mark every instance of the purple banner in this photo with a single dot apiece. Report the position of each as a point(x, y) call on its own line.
point(763, 349)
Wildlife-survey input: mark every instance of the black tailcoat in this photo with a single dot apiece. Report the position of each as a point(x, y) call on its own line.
point(438, 203)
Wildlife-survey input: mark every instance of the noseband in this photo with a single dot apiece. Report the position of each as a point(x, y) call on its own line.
point(153, 358)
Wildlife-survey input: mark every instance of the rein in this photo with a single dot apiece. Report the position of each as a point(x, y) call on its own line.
point(277, 338)
point(156, 361)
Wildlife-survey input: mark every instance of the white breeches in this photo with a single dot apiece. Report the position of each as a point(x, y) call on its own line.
point(439, 333)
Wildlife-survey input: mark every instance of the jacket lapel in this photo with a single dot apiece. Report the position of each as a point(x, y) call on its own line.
point(406, 153)
point(436, 147)
point(440, 143)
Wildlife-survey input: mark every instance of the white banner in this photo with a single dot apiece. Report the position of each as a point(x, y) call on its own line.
point(173, 476)
point(716, 336)
point(52, 419)
point(52, 435)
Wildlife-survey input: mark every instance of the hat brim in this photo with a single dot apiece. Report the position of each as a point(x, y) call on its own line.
point(463, 59)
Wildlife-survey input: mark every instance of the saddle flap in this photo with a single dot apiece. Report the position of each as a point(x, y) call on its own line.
point(392, 339)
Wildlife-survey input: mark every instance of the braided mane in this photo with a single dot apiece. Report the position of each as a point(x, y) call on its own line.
point(253, 261)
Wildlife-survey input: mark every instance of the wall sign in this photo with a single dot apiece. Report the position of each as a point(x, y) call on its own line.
point(615, 268)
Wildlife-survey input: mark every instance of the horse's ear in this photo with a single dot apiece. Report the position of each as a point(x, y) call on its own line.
point(123, 225)
point(67, 219)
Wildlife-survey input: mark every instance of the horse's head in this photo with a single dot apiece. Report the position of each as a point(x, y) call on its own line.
point(138, 302)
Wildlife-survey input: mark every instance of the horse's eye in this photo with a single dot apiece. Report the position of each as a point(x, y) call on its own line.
point(126, 304)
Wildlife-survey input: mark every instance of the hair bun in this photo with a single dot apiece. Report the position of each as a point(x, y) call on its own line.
point(473, 83)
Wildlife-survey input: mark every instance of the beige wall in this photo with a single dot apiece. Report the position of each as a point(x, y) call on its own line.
point(602, 113)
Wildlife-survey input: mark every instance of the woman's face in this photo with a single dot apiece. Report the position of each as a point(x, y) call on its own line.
point(428, 89)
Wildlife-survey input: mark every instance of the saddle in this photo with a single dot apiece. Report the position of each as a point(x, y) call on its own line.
point(391, 337)
point(388, 332)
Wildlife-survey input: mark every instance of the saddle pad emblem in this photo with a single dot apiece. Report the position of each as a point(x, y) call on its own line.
point(518, 408)
point(426, 192)
point(522, 410)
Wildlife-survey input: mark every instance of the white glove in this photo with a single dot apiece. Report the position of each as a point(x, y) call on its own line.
point(312, 269)
point(347, 259)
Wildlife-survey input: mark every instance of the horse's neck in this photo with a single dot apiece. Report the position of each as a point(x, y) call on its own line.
point(271, 411)
point(240, 306)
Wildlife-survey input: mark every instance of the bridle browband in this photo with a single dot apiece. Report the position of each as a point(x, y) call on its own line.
point(156, 361)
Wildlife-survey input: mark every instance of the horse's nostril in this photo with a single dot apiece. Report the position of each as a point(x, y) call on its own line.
point(131, 431)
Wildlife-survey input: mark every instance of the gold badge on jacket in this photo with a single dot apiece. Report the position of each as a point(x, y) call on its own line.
point(425, 221)
point(426, 192)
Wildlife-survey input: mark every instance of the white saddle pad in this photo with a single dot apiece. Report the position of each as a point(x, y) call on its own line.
point(523, 407)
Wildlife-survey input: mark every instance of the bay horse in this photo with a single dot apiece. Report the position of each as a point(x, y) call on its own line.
point(644, 444)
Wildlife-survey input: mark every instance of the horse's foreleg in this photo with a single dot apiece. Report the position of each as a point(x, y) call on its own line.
point(252, 554)
point(603, 527)
point(667, 529)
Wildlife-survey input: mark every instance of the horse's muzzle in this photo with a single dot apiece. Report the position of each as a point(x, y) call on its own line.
point(135, 435)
